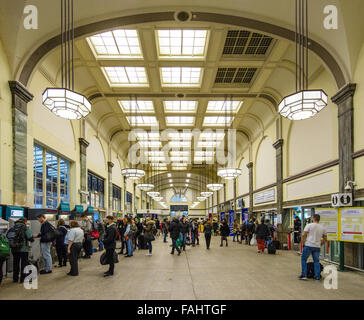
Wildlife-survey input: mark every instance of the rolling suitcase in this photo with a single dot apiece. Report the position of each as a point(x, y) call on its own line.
point(271, 248)
point(277, 244)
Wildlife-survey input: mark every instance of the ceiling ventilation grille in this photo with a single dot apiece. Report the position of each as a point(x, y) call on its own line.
point(235, 75)
point(242, 42)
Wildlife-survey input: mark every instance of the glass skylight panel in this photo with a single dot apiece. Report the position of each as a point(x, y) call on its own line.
point(150, 144)
point(122, 43)
point(147, 135)
point(136, 106)
point(180, 135)
point(180, 106)
point(179, 144)
point(159, 167)
point(176, 159)
point(179, 166)
point(217, 121)
point(180, 153)
point(223, 106)
point(142, 120)
point(204, 153)
point(212, 136)
point(182, 43)
point(181, 76)
point(208, 144)
point(126, 76)
point(180, 121)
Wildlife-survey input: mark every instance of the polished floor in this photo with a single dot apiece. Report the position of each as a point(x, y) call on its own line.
point(233, 272)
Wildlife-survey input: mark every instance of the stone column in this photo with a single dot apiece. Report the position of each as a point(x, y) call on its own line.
point(251, 202)
point(235, 195)
point(278, 145)
point(20, 98)
point(109, 179)
point(344, 100)
point(134, 210)
point(83, 170)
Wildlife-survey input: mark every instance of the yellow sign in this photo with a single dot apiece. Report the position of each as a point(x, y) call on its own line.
point(351, 224)
point(329, 218)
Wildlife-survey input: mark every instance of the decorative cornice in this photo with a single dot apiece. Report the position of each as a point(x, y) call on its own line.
point(110, 165)
point(344, 93)
point(83, 142)
point(20, 96)
point(278, 143)
point(249, 165)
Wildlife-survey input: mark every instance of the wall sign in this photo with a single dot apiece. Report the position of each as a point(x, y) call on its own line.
point(329, 218)
point(265, 196)
point(351, 224)
point(341, 200)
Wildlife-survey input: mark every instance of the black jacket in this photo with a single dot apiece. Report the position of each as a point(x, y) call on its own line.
point(110, 237)
point(225, 230)
point(251, 227)
point(60, 240)
point(44, 229)
point(262, 231)
point(185, 227)
point(175, 229)
point(207, 228)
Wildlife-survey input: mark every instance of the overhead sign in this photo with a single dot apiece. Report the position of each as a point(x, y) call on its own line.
point(231, 221)
point(341, 200)
point(351, 224)
point(329, 218)
point(265, 196)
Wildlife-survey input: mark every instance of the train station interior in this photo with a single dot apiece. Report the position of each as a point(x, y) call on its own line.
point(219, 113)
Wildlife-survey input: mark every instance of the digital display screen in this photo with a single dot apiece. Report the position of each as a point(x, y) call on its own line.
point(17, 213)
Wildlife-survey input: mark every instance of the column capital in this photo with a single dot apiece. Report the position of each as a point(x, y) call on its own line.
point(20, 96)
point(344, 93)
point(110, 165)
point(83, 145)
point(278, 144)
point(249, 165)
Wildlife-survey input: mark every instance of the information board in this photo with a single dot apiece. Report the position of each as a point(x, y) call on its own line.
point(351, 224)
point(329, 218)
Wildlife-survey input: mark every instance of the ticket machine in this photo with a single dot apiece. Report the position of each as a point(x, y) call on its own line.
point(11, 214)
point(64, 212)
point(77, 212)
point(90, 213)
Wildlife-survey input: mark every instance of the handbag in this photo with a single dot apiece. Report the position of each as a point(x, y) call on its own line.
point(149, 237)
point(253, 241)
point(103, 258)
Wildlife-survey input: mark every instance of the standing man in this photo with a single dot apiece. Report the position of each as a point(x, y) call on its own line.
point(184, 232)
point(194, 232)
point(165, 229)
point(45, 242)
point(208, 231)
point(86, 226)
point(20, 248)
point(251, 229)
point(297, 229)
point(74, 240)
point(175, 230)
point(313, 237)
point(110, 244)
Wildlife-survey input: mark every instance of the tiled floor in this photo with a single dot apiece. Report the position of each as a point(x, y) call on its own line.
point(234, 272)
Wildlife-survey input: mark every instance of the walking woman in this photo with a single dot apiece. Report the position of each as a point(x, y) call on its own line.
point(61, 249)
point(261, 234)
point(236, 230)
point(224, 231)
point(149, 229)
point(75, 239)
point(208, 231)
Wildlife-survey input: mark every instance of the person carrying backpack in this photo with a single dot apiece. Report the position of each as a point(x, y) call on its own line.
point(19, 236)
point(46, 235)
point(4, 253)
point(149, 234)
point(224, 231)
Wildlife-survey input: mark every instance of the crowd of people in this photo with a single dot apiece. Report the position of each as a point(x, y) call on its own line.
point(137, 234)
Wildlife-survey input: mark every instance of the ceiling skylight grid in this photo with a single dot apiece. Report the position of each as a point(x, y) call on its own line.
point(181, 76)
point(121, 43)
point(142, 120)
point(223, 106)
point(217, 121)
point(126, 76)
point(136, 106)
point(182, 43)
point(235, 75)
point(179, 106)
point(180, 121)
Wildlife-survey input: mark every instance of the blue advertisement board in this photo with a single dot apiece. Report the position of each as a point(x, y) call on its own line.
point(231, 221)
point(222, 216)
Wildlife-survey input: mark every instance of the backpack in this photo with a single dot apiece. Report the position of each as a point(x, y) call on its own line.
point(52, 234)
point(16, 236)
point(272, 248)
point(4, 247)
point(311, 269)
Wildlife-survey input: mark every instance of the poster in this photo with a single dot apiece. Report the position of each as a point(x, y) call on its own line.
point(351, 224)
point(329, 218)
point(231, 221)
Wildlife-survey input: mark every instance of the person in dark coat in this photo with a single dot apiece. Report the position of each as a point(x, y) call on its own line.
point(251, 230)
point(165, 226)
point(61, 248)
point(122, 228)
point(175, 230)
point(110, 244)
point(224, 231)
point(297, 229)
point(208, 227)
point(184, 232)
point(262, 233)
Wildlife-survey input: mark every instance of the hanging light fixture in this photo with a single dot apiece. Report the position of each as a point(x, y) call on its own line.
point(206, 194)
point(153, 194)
point(145, 186)
point(228, 173)
point(64, 102)
point(158, 198)
point(201, 198)
point(133, 173)
point(304, 103)
point(215, 186)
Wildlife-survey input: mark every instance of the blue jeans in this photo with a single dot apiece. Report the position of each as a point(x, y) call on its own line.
point(130, 246)
point(46, 253)
point(306, 252)
point(165, 237)
point(174, 246)
point(101, 245)
point(150, 247)
point(183, 237)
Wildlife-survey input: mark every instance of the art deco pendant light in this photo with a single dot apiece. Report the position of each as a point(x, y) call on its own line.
point(304, 103)
point(65, 102)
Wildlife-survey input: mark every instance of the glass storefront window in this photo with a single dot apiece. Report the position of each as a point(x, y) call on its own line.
point(96, 190)
point(116, 196)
